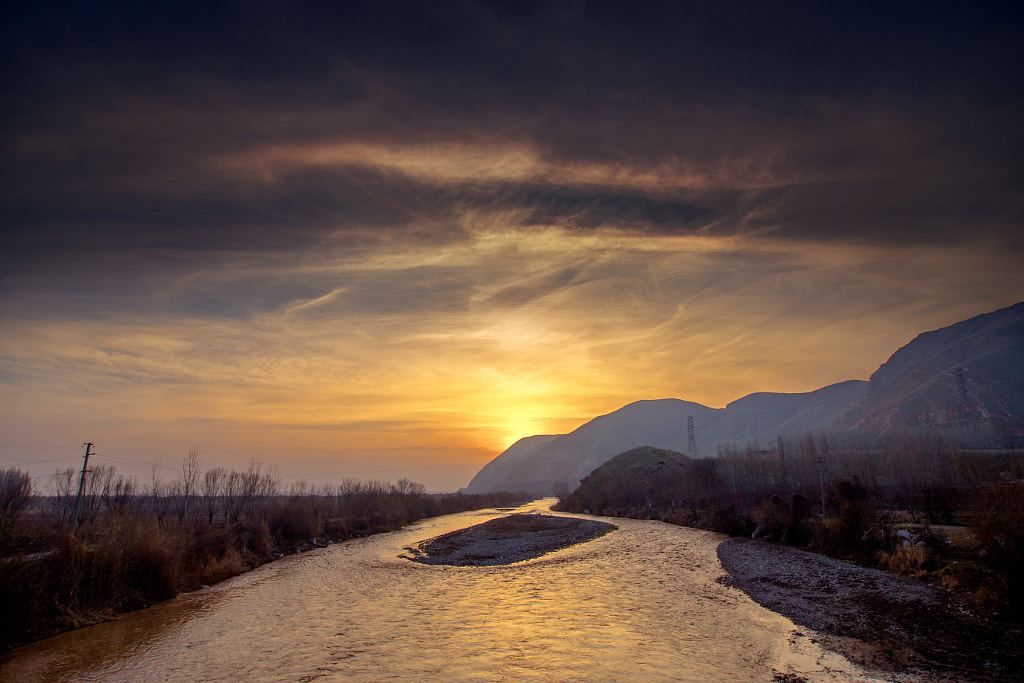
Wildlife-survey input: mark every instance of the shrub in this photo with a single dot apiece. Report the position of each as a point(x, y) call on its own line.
point(128, 563)
point(15, 494)
point(999, 529)
point(24, 597)
point(295, 520)
point(220, 567)
point(251, 539)
point(729, 520)
point(915, 562)
point(857, 533)
point(987, 587)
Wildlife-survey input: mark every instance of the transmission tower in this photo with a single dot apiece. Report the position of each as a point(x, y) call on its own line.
point(958, 375)
point(691, 440)
point(822, 470)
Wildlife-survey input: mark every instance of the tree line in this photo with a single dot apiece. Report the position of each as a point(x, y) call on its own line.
point(131, 545)
point(916, 506)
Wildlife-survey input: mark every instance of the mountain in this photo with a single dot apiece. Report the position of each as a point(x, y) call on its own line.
point(765, 416)
point(507, 467)
point(970, 373)
point(572, 456)
point(964, 382)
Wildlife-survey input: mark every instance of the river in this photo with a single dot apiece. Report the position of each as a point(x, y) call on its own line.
point(639, 604)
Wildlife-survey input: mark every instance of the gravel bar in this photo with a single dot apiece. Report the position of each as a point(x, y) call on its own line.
point(506, 540)
point(873, 617)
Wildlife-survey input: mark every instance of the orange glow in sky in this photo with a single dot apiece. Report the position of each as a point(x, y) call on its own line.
point(429, 361)
point(360, 240)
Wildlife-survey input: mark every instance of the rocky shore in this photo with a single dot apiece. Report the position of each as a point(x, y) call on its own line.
point(506, 540)
point(915, 632)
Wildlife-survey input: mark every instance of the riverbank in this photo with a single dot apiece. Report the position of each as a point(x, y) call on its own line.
point(127, 558)
point(903, 628)
point(506, 540)
point(638, 604)
point(875, 619)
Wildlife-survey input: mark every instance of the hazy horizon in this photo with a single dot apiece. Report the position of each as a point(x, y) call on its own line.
point(385, 241)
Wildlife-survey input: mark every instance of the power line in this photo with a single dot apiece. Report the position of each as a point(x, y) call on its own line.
point(36, 462)
point(37, 447)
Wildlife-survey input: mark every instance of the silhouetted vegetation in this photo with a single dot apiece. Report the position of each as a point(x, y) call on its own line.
point(133, 548)
point(916, 507)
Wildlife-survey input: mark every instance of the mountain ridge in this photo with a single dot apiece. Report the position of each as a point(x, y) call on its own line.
point(963, 381)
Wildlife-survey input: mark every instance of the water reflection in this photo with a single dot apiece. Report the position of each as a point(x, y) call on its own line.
point(92, 646)
point(638, 604)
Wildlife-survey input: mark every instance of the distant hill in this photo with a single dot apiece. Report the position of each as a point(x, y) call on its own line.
point(964, 382)
point(642, 458)
point(644, 473)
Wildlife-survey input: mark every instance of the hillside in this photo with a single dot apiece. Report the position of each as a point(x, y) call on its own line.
point(570, 457)
point(966, 376)
point(963, 382)
point(639, 475)
point(642, 458)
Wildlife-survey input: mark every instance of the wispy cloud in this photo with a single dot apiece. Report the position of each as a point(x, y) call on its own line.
point(506, 334)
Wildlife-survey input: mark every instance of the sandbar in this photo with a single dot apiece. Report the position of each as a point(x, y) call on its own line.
point(507, 540)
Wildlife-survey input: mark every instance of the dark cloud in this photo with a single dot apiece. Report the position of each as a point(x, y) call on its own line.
point(540, 47)
point(297, 212)
point(805, 120)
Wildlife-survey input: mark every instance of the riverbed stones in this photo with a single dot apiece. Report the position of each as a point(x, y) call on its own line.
point(509, 539)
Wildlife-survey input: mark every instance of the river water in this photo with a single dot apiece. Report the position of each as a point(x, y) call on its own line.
point(639, 604)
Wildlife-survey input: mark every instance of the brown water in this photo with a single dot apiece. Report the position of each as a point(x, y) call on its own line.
point(639, 604)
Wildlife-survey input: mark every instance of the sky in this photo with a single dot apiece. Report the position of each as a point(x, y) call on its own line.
point(377, 240)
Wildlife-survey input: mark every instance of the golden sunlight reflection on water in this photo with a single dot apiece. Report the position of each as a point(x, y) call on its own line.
point(640, 604)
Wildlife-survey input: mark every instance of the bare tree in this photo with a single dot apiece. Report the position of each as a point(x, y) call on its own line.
point(189, 480)
point(213, 490)
point(15, 495)
point(97, 480)
point(118, 492)
point(159, 493)
point(269, 486)
point(251, 484)
point(242, 488)
point(233, 496)
point(63, 494)
point(407, 487)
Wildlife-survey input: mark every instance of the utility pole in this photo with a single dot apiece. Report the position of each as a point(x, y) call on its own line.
point(81, 485)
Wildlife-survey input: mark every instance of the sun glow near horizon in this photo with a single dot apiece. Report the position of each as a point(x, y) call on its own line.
point(476, 345)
